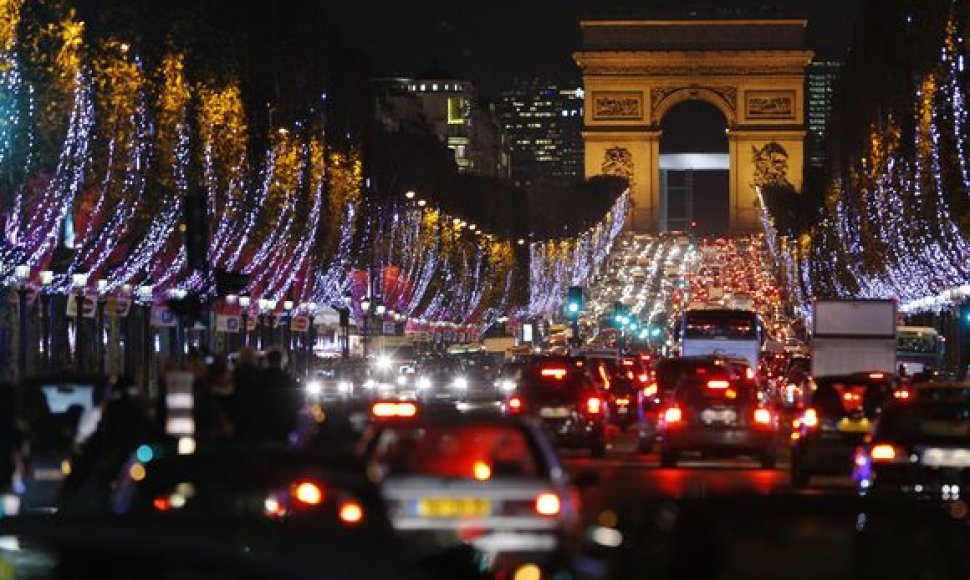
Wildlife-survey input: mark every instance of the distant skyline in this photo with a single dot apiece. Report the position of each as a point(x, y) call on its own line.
point(490, 42)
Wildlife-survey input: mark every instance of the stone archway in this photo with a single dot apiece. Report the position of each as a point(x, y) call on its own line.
point(634, 71)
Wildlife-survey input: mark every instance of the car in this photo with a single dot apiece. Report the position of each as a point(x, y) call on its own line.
point(716, 413)
point(841, 413)
point(339, 382)
point(491, 481)
point(441, 378)
point(320, 490)
point(560, 392)
point(920, 445)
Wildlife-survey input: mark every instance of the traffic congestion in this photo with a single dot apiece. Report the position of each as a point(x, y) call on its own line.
point(676, 406)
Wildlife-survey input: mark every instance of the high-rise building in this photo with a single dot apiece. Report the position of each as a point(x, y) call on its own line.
point(436, 101)
point(822, 82)
point(543, 123)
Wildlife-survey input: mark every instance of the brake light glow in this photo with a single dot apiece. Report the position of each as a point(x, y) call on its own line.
point(883, 452)
point(548, 504)
point(749, 373)
point(673, 415)
point(718, 384)
point(394, 409)
point(515, 405)
point(762, 416)
point(594, 405)
point(307, 492)
point(643, 377)
point(351, 513)
point(810, 418)
point(161, 504)
point(902, 394)
point(650, 390)
point(556, 373)
point(482, 471)
point(877, 375)
point(627, 362)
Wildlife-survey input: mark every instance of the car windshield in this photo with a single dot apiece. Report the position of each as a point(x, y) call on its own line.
point(927, 422)
point(715, 391)
point(720, 325)
point(473, 451)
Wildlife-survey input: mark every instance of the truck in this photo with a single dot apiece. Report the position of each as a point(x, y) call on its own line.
point(853, 336)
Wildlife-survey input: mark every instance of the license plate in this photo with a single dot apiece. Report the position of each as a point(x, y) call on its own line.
point(934, 457)
point(462, 507)
point(719, 416)
point(554, 412)
point(847, 425)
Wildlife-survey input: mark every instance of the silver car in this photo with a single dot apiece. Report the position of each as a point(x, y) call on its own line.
point(492, 482)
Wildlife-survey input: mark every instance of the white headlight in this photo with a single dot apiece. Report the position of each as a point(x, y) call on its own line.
point(424, 383)
point(383, 363)
point(402, 380)
point(345, 386)
point(370, 384)
point(507, 385)
point(460, 383)
point(313, 388)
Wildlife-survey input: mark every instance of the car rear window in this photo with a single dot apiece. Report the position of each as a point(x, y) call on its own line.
point(456, 451)
point(838, 397)
point(700, 392)
point(926, 422)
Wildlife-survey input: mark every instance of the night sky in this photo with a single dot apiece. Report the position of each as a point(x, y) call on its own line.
point(491, 41)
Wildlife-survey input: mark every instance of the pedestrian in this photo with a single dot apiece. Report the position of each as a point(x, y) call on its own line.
point(125, 424)
point(281, 397)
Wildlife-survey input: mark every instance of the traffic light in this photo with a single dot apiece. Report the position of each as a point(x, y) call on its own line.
point(574, 301)
point(621, 316)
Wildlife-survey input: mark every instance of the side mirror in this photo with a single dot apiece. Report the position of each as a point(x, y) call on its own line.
point(586, 478)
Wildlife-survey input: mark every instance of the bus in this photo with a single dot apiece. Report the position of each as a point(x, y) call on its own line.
point(918, 348)
point(729, 333)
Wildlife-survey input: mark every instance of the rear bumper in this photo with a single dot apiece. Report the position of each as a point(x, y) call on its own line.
point(827, 453)
point(740, 440)
point(574, 432)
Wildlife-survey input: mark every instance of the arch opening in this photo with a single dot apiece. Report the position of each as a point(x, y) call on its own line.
point(694, 169)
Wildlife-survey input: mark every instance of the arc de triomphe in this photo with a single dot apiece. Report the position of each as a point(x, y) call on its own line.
point(753, 71)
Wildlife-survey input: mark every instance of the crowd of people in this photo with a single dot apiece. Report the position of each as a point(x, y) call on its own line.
point(254, 400)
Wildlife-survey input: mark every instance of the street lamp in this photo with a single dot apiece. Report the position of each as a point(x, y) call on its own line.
point(365, 304)
point(80, 281)
point(145, 294)
point(22, 274)
point(244, 302)
point(46, 279)
point(102, 286)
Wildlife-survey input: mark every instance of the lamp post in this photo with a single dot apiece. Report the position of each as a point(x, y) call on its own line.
point(365, 305)
point(102, 287)
point(285, 331)
point(345, 326)
point(230, 342)
point(46, 279)
point(310, 338)
point(22, 274)
point(244, 302)
point(80, 281)
point(145, 296)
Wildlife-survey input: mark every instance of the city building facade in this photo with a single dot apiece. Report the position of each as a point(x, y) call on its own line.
point(821, 83)
point(543, 124)
point(435, 101)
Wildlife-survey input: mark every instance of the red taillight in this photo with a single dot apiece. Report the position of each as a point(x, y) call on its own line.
point(643, 377)
point(548, 504)
point(556, 373)
point(673, 415)
point(902, 395)
point(162, 504)
point(515, 405)
point(308, 493)
point(389, 409)
point(762, 416)
point(749, 373)
point(627, 362)
point(718, 384)
point(883, 452)
point(877, 375)
point(351, 513)
point(594, 405)
point(650, 390)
